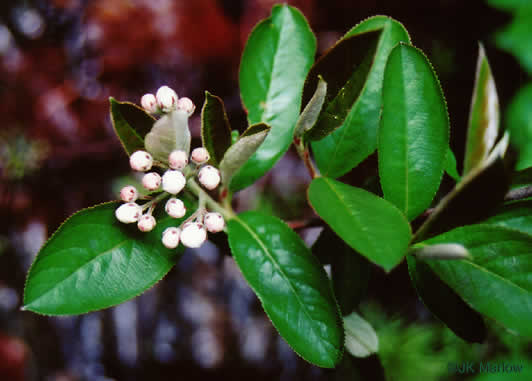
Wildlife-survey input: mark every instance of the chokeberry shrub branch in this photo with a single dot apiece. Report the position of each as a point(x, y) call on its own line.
point(372, 92)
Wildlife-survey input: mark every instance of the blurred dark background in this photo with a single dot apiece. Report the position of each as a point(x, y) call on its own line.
point(60, 60)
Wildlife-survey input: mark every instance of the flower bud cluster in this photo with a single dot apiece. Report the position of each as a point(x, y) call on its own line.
point(166, 100)
point(193, 232)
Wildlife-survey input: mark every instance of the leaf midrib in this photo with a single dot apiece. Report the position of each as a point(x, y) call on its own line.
point(270, 256)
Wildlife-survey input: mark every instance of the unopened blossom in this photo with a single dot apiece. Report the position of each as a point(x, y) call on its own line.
point(151, 181)
point(199, 155)
point(141, 161)
point(149, 103)
point(214, 222)
point(129, 194)
point(128, 213)
point(171, 237)
point(173, 181)
point(193, 234)
point(146, 223)
point(166, 98)
point(177, 159)
point(209, 177)
point(175, 208)
point(186, 104)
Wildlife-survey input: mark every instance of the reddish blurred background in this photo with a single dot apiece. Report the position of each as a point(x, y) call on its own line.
point(60, 60)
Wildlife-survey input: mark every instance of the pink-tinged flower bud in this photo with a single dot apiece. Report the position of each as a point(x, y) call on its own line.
point(149, 103)
point(141, 161)
point(129, 194)
point(151, 181)
point(173, 181)
point(177, 159)
point(128, 213)
point(199, 155)
point(146, 223)
point(175, 208)
point(166, 98)
point(171, 237)
point(193, 234)
point(214, 222)
point(186, 104)
point(209, 177)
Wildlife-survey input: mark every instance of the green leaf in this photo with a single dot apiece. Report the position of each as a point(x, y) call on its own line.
point(356, 138)
point(520, 125)
point(414, 131)
point(131, 124)
point(498, 282)
point(350, 271)
point(450, 165)
point(522, 178)
point(515, 215)
point(516, 37)
point(291, 285)
point(309, 116)
point(468, 202)
point(276, 59)
point(360, 338)
point(483, 127)
point(168, 134)
point(510, 4)
point(93, 261)
point(345, 68)
point(215, 128)
point(247, 144)
point(444, 303)
point(363, 220)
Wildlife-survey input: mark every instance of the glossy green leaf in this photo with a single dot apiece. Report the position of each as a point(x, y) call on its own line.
point(468, 202)
point(360, 338)
point(131, 124)
point(215, 128)
point(363, 220)
point(510, 4)
point(309, 116)
point(350, 271)
point(247, 144)
point(169, 133)
point(450, 165)
point(519, 121)
point(498, 282)
point(444, 303)
point(93, 261)
point(345, 68)
point(483, 128)
point(414, 131)
point(522, 178)
point(275, 62)
point(515, 215)
point(291, 285)
point(356, 138)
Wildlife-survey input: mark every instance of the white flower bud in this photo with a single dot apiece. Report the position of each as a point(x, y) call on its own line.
point(175, 208)
point(186, 104)
point(151, 181)
point(193, 234)
point(149, 103)
point(199, 155)
point(171, 237)
point(146, 223)
point(166, 98)
point(129, 194)
point(177, 159)
point(128, 213)
point(141, 161)
point(173, 181)
point(214, 222)
point(209, 177)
